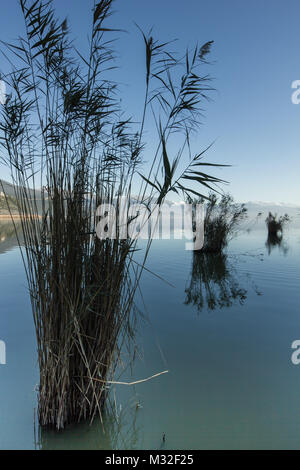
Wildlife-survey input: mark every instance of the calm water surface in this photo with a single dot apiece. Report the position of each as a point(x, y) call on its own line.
point(222, 326)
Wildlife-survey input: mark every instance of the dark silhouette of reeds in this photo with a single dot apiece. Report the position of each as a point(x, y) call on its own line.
point(69, 149)
point(276, 224)
point(221, 222)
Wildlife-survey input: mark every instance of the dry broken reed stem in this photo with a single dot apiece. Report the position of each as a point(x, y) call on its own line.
point(113, 382)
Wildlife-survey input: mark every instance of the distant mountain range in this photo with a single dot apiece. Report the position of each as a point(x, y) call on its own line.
point(9, 191)
point(275, 205)
point(277, 208)
point(8, 188)
point(254, 207)
point(9, 198)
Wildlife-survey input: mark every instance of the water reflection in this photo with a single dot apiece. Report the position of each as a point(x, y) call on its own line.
point(117, 431)
point(275, 240)
point(8, 236)
point(213, 282)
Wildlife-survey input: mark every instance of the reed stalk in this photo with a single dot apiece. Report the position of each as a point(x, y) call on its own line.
point(69, 149)
point(222, 220)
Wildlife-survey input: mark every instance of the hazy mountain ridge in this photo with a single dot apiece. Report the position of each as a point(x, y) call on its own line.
point(276, 208)
point(10, 191)
point(7, 197)
point(254, 207)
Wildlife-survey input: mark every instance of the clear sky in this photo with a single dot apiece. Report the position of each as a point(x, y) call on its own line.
point(256, 57)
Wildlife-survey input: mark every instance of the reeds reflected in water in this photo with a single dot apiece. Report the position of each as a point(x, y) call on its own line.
point(120, 431)
point(9, 234)
point(275, 240)
point(213, 282)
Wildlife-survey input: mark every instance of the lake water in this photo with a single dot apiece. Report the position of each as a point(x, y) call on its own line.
point(222, 327)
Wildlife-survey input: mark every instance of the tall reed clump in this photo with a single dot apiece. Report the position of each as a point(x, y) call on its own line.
point(221, 222)
point(276, 224)
point(70, 149)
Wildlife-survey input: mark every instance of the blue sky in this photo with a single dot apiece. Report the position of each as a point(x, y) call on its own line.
point(256, 57)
